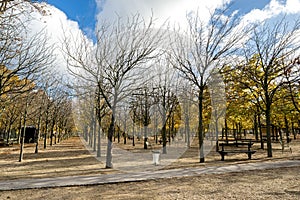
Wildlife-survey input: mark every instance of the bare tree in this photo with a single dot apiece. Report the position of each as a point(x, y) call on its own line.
point(6, 5)
point(22, 56)
point(39, 99)
point(28, 110)
point(52, 94)
point(23, 118)
point(165, 84)
point(206, 46)
point(186, 99)
point(66, 120)
point(120, 56)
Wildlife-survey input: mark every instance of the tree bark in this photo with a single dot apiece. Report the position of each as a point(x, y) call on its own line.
point(200, 125)
point(287, 132)
point(268, 123)
point(23, 134)
point(22, 143)
point(110, 142)
point(99, 139)
point(38, 134)
point(94, 132)
point(46, 135)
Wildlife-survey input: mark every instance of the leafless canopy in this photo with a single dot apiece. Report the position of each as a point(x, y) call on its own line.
point(206, 45)
point(22, 56)
point(117, 62)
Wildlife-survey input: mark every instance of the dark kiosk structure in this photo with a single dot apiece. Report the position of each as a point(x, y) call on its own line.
point(30, 134)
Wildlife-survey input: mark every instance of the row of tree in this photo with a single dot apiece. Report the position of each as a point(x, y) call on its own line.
point(30, 94)
point(132, 66)
point(259, 63)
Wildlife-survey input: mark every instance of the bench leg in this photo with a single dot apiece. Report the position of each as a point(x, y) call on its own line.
point(222, 157)
point(249, 156)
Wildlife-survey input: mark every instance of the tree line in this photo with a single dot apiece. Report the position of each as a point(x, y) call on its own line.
point(136, 72)
point(258, 63)
point(31, 94)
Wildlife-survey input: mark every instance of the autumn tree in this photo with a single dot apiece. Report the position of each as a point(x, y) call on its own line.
point(268, 53)
point(51, 93)
point(28, 109)
point(292, 85)
point(40, 98)
point(23, 57)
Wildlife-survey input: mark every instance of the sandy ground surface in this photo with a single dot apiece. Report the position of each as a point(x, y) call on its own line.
point(70, 158)
point(267, 184)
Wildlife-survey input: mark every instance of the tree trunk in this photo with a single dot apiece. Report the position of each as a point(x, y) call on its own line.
point(276, 133)
point(91, 133)
point(268, 122)
point(293, 130)
point(125, 134)
point(22, 142)
point(51, 133)
point(200, 125)
point(133, 135)
point(20, 130)
point(287, 132)
point(169, 130)
point(46, 135)
point(133, 131)
point(99, 140)
point(56, 133)
point(164, 138)
point(164, 128)
point(255, 129)
point(187, 130)
point(86, 137)
point(38, 135)
point(8, 134)
point(260, 132)
point(94, 132)
point(217, 132)
point(110, 142)
point(59, 134)
point(51, 137)
point(23, 135)
point(145, 122)
point(226, 130)
point(125, 137)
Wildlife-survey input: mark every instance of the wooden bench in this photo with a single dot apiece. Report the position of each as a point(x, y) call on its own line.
point(160, 141)
point(248, 151)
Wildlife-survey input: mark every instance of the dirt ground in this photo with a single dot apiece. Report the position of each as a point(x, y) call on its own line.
point(267, 184)
point(70, 157)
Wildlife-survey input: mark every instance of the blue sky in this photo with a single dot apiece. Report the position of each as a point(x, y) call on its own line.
point(245, 6)
point(85, 11)
point(82, 11)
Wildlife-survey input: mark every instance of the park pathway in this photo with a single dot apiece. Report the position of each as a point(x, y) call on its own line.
point(140, 176)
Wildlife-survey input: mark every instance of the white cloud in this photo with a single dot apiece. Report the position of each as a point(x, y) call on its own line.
point(293, 6)
point(176, 10)
point(273, 9)
point(52, 21)
point(173, 10)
